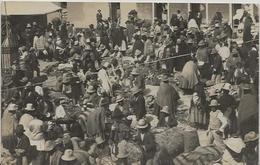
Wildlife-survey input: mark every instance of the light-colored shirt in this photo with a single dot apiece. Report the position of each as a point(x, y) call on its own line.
point(59, 112)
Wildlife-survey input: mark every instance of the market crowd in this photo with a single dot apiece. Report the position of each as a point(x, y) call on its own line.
point(101, 77)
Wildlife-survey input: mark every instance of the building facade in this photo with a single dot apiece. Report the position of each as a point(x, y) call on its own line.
point(84, 13)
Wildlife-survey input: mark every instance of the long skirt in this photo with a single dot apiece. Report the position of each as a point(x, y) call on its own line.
point(197, 115)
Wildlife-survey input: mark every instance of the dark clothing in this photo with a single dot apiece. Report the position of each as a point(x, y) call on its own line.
point(22, 143)
point(149, 145)
point(138, 44)
point(138, 105)
point(217, 64)
point(139, 82)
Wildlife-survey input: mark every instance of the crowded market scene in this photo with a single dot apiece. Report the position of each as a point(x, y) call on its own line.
point(129, 83)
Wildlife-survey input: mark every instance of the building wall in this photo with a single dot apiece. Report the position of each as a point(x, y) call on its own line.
point(83, 14)
point(183, 7)
point(223, 8)
point(145, 11)
point(52, 15)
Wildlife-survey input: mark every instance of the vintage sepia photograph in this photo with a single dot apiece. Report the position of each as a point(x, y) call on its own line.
point(129, 83)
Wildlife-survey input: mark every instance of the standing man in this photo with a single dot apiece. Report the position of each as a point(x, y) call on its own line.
point(99, 16)
point(137, 103)
point(146, 140)
point(167, 98)
point(227, 106)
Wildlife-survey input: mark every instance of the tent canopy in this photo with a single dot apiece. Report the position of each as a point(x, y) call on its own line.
point(27, 8)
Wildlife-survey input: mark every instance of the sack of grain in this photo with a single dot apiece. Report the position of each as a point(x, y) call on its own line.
point(172, 140)
point(191, 140)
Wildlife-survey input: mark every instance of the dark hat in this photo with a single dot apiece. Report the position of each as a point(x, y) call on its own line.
point(19, 129)
point(117, 114)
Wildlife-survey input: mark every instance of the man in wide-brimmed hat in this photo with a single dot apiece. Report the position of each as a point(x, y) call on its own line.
point(92, 96)
point(22, 146)
point(146, 140)
point(137, 103)
point(120, 105)
point(216, 66)
point(250, 152)
point(227, 106)
point(27, 117)
point(138, 79)
point(167, 97)
point(233, 152)
point(202, 55)
point(217, 124)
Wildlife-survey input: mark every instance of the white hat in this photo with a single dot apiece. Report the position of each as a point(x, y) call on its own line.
point(200, 63)
point(29, 107)
point(106, 64)
point(165, 109)
point(12, 107)
point(122, 149)
point(235, 144)
point(226, 86)
point(99, 140)
point(213, 103)
point(142, 124)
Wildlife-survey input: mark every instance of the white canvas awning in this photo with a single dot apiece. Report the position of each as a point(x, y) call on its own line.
point(27, 8)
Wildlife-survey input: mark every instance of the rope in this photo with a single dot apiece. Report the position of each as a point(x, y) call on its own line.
point(155, 61)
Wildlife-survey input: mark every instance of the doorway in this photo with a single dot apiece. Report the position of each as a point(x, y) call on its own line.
point(114, 11)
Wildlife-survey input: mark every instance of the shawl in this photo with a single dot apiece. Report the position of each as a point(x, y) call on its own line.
point(167, 96)
point(190, 75)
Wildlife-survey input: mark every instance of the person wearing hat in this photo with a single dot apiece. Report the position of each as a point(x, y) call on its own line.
point(22, 146)
point(28, 35)
point(68, 157)
point(119, 133)
point(137, 45)
point(98, 121)
point(137, 103)
point(92, 96)
point(231, 65)
point(9, 122)
point(50, 49)
point(250, 152)
point(217, 124)
point(138, 79)
point(247, 118)
point(104, 78)
point(121, 105)
point(149, 53)
point(146, 140)
point(233, 152)
point(227, 106)
point(166, 99)
point(198, 107)
point(224, 52)
point(38, 43)
point(216, 66)
point(217, 30)
point(202, 55)
point(29, 95)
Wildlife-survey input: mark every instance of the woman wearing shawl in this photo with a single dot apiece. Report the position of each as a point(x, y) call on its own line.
point(190, 75)
point(197, 111)
point(167, 96)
